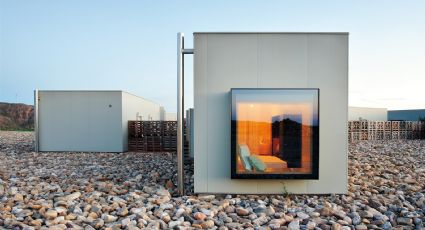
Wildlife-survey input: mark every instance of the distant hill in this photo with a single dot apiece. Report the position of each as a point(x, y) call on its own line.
point(16, 116)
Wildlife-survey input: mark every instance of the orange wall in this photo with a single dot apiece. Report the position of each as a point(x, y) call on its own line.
point(257, 135)
point(254, 126)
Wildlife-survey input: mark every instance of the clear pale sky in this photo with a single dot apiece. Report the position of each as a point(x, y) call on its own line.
point(131, 45)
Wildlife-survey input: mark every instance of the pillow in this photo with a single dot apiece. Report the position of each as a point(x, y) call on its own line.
point(246, 164)
point(257, 163)
point(244, 150)
point(244, 153)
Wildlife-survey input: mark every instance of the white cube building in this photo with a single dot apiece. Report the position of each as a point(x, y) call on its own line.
point(89, 121)
point(240, 81)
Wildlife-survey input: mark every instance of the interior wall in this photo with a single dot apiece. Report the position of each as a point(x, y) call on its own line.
point(256, 135)
point(277, 60)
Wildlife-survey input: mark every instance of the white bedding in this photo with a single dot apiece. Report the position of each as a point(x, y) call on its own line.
point(273, 162)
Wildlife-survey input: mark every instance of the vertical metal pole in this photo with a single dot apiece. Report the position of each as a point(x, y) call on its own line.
point(37, 136)
point(180, 111)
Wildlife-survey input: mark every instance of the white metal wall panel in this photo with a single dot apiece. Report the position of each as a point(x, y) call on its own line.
point(328, 71)
point(279, 60)
point(80, 121)
point(200, 119)
point(223, 72)
point(282, 61)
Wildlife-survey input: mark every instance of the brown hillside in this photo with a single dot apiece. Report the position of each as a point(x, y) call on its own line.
point(16, 116)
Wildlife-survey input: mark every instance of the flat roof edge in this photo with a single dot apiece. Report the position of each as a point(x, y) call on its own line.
point(360, 107)
point(410, 110)
point(77, 90)
point(337, 33)
point(105, 91)
point(134, 95)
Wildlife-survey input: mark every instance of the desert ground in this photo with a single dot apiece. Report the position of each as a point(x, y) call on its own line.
point(61, 190)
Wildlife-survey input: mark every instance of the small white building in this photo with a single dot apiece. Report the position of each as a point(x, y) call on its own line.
point(247, 88)
point(365, 113)
point(167, 116)
point(89, 121)
point(170, 117)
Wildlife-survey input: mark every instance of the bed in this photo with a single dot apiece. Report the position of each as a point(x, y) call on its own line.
point(258, 162)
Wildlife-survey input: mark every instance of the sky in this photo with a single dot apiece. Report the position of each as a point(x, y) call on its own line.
point(131, 45)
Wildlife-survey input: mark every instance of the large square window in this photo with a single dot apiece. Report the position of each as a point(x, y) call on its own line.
point(275, 133)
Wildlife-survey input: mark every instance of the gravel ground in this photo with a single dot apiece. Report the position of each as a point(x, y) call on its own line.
point(137, 191)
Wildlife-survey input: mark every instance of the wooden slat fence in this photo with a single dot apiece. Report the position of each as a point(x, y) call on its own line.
point(385, 130)
point(152, 136)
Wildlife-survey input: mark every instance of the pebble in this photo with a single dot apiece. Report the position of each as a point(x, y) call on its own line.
point(336, 226)
point(199, 216)
point(18, 197)
point(136, 191)
point(122, 211)
point(98, 223)
point(173, 224)
point(109, 218)
point(326, 211)
point(51, 214)
point(73, 196)
point(207, 224)
point(206, 197)
point(163, 192)
point(348, 220)
point(277, 222)
point(242, 211)
point(260, 209)
point(387, 225)
point(311, 225)
point(302, 215)
point(340, 214)
point(294, 225)
point(366, 214)
point(357, 220)
point(404, 221)
point(361, 227)
point(260, 221)
point(165, 217)
point(314, 214)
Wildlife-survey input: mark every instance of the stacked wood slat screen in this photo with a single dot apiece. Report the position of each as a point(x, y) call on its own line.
point(385, 130)
point(156, 136)
point(152, 136)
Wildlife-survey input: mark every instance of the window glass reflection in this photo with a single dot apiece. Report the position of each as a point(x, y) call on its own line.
point(274, 131)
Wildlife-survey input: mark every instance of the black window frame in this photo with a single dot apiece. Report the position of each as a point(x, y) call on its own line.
point(314, 175)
